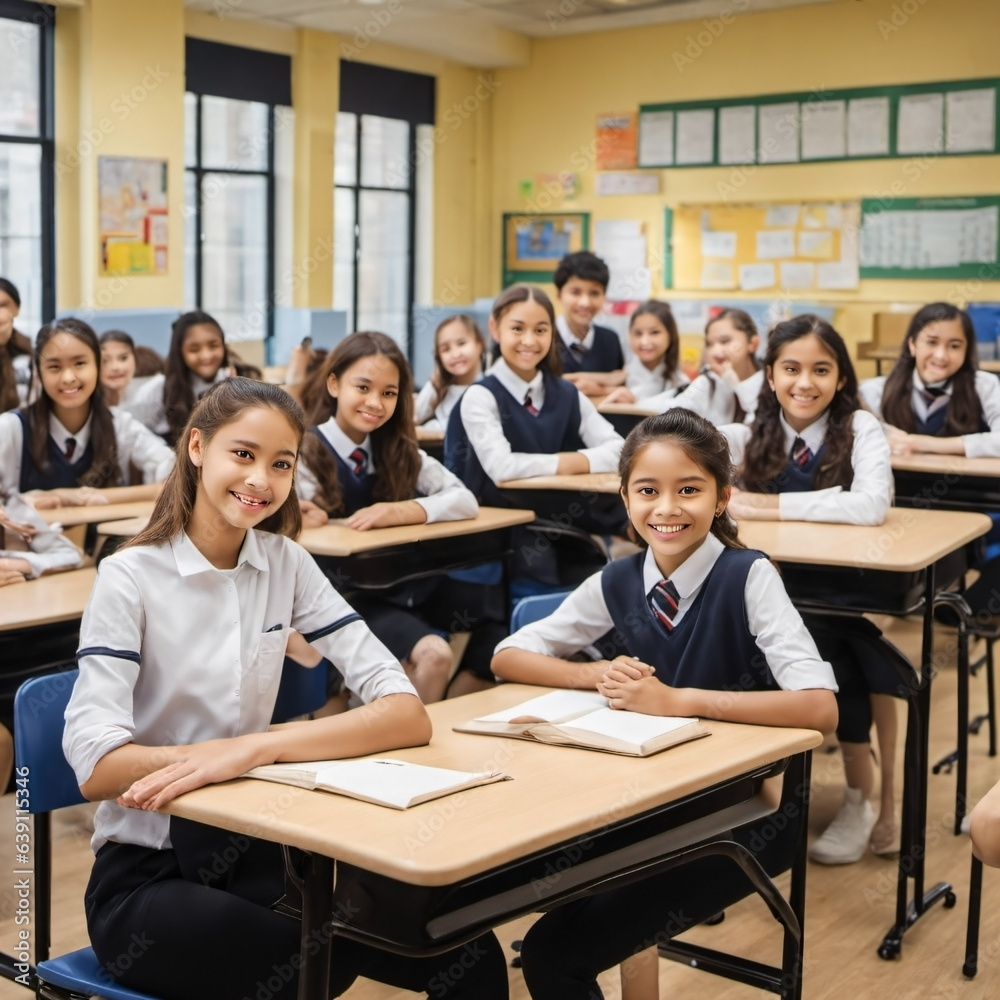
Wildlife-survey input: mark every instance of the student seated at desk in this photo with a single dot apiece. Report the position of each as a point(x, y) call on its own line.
point(118, 382)
point(935, 400)
point(591, 355)
point(726, 389)
point(696, 617)
point(15, 351)
point(30, 546)
point(68, 437)
point(654, 368)
point(197, 360)
point(812, 455)
point(363, 465)
point(522, 420)
point(199, 606)
point(459, 356)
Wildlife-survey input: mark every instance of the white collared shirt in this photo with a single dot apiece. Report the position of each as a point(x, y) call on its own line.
point(788, 647)
point(435, 418)
point(644, 383)
point(569, 338)
point(481, 418)
point(48, 550)
point(147, 404)
point(174, 651)
point(713, 398)
point(136, 446)
point(870, 496)
point(445, 497)
point(979, 445)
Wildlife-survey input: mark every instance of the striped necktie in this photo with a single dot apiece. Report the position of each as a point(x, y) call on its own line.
point(529, 405)
point(578, 349)
point(663, 602)
point(801, 452)
point(931, 396)
point(360, 459)
point(70, 448)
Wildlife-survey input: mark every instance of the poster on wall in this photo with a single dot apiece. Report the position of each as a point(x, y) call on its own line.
point(132, 207)
point(534, 244)
point(617, 141)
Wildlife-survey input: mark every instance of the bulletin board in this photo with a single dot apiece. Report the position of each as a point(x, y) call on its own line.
point(534, 244)
point(132, 198)
point(793, 246)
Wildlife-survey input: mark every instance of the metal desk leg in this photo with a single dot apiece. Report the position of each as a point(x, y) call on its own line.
point(317, 935)
point(793, 951)
point(914, 835)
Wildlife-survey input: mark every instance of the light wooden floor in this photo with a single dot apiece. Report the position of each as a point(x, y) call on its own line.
point(849, 908)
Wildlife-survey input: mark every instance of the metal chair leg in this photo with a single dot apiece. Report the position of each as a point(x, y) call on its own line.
point(971, 965)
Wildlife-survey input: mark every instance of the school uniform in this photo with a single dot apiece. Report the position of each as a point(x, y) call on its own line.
point(215, 934)
point(734, 629)
point(69, 461)
point(47, 551)
point(870, 494)
point(400, 616)
point(147, 404)
point(930, 409)
point(435, 418)
point(712, 397)
point(599, 351)
point(644, 383)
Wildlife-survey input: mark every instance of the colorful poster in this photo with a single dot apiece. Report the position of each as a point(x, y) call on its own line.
point(617, 141)
point(133, 228)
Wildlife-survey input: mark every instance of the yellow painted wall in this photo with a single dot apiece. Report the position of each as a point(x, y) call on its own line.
point(119, 91)
point(543, 115)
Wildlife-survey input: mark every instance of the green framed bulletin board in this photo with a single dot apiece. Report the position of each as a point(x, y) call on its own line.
point(953, 118)
point(930, 237)
point(533, 244)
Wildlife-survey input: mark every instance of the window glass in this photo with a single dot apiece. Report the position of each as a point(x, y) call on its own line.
point(384, 263)
point(234, 134)
point(343, 253)
point(19, 78)
point(345, 149)
point(21, 228)
point(385, 151)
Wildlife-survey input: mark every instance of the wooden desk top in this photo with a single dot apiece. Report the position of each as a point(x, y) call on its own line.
point(626, 409)
point(336, 540)
point(557, 793)
point(588, 482)
point(57, 598)
point(956, 465)
point(909, 541)
point(69, 516)
point(990, 365)
point(426, 435)
point(127, 527)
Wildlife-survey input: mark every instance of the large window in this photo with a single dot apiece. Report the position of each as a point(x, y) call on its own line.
point(26, 158)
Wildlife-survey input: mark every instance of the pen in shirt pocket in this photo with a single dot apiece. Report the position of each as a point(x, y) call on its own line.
point(275, 628)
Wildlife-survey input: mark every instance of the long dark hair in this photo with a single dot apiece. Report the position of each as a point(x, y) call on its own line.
point(17, 345)
point(442, 379)
point(743, 322)
point(104, 469)
point(529, 293)
point(178, 395)
point(662, 312)
point(395, 453)
point(965, 413)
point(702, 442)
point(766, 453)
point(221, 405)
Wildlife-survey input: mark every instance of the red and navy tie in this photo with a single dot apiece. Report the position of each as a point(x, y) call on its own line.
point(70, 448)
point(529, 405)
point(360, 459)
point(801, 452)
point(663, 602)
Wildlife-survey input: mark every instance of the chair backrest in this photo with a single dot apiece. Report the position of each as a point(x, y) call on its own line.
point(530, 609)
point(302, 690)
point(39, 707)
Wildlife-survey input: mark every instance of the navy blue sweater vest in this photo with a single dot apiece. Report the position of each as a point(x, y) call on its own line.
point(61, 473)
point(356, 490)
point(604, 356)
point(555, 429)
point(799, 478)
point(712, 646)
point(934, 424)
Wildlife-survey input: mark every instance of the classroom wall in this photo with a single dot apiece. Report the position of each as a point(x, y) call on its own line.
point(543, 115)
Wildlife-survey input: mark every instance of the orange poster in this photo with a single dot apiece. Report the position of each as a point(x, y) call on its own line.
point(617, 141)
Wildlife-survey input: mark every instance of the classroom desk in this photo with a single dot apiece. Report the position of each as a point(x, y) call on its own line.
point(947, 481)
point(70, 516)
point(570, 820)
point(586, 482)
point(893, 568)
point(432, 442)
point(624, 416)
point(588, 502)
point(59, 597)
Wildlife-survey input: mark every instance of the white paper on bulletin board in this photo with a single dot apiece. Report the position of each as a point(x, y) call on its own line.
point(622, 245)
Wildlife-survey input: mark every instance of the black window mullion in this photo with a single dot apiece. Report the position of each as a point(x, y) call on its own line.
point(46, 64)
point(199, 221)
point(270, 263)
point(412, 268)
point(357, 220)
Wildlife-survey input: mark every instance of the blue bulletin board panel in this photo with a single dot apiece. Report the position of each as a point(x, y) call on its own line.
point(534, 243)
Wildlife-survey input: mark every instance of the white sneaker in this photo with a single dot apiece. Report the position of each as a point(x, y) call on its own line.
point(845, 840)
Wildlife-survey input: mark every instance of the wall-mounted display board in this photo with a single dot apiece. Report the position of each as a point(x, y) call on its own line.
point(952, 119)
point(534, 244)
point(930, 237)
point(801, 246)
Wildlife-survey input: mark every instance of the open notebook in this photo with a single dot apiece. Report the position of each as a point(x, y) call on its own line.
point(384, 781)
point(583, 719)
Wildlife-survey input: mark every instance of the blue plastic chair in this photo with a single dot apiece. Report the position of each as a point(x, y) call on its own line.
point(302, 690)
point(531, 609)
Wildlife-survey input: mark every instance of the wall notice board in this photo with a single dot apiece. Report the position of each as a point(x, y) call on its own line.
point(930, 237)
point(795, 245)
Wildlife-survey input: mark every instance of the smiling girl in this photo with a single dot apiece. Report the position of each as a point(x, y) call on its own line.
point(935, 399)
point(118, 367)
point(181, 650)
point(68, 437)
point(459, 353)
point(705, 629)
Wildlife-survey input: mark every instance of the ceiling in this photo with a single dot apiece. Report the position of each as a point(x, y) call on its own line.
point(483, 33)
